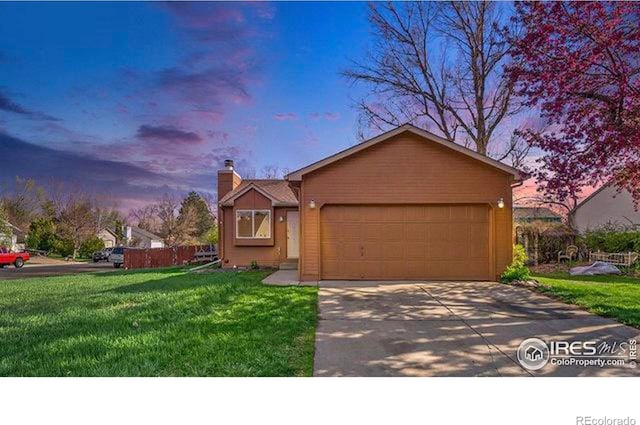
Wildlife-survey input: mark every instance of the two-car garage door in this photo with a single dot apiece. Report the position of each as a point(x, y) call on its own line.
point(405, 242)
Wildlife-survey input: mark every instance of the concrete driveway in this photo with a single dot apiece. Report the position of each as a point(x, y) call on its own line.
point(43, 270)
point(448, 329)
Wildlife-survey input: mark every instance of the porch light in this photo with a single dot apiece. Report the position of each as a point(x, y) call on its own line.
point(312, 204)
point(501, 203)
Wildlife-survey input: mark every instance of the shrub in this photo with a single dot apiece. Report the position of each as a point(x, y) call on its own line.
point(254, 265)
point(63, 247)
point(42, 235)
point(517, 270)
point(609, 239)
point(211, 237)
point(90, 246)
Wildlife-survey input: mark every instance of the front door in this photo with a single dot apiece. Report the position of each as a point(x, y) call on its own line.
point(293, 232)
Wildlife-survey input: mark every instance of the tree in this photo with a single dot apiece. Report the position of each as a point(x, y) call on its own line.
point(90, 246)
point(76, 220)
point(5, 229)
point(458, 89)
point(174, 228)
point(195, 213)
point(579, 63)
point(42, 235)
point(22, 202)
point(146, 217)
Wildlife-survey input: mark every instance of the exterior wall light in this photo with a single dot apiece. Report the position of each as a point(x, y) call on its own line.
point(312, 204)
point(501, 203)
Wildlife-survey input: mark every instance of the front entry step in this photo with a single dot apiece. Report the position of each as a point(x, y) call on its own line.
point(289, 265)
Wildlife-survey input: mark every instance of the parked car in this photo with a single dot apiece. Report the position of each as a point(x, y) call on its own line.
point(102, 255)
point(117, 257)
point(16, 258)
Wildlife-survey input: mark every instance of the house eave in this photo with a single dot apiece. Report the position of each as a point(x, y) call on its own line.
point(518, 175)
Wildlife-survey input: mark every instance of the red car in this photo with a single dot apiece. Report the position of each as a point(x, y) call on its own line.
point(16, 258)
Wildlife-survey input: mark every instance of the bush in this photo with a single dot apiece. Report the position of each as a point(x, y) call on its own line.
point(42, 235)
point(63, 247)
point(254, 265)
point(90, 246)
point(608, 239)
point(211, 237)
point(517, 270)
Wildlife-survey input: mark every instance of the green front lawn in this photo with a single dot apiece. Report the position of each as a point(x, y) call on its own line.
point(156, 323)
point(617, 297)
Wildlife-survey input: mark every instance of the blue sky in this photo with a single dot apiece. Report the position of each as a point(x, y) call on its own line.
point(151, 97)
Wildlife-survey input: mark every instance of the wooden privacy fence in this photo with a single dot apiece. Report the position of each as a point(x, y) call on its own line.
point(162, 257)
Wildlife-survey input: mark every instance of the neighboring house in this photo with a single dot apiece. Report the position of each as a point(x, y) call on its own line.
point(605, 206)
point(406, 204)
point(523, 215)
point(140, 238)
point(10, 240)
point(108, 237)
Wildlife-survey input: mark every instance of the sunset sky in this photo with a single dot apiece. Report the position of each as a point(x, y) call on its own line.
point(138, 99)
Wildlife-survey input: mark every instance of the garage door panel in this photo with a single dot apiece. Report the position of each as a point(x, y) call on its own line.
point(393, 269)
point(414, 213)
point(415, 251)
point(351, 251)
point(372, 250)
point(393, 232)
point(458, 214)
point(393, 250)
point(416, 232)
point(437, 214)
point(330, 250)
point(351, 214)
point(415, 269)
point(405, 242)
point(372, 231)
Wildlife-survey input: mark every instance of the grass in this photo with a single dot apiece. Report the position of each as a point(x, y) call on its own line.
point(156, 323)
point(617, 297)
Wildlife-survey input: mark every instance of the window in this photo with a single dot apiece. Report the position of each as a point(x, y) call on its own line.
point(253, 224)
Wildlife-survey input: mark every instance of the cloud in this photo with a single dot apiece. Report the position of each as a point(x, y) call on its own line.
point(77, 170)
point(329, 116)
point(285, 116)
point(167, 133)
point(8, 105)
point(206, 88)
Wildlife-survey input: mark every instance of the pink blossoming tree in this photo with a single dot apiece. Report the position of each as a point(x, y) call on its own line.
point(579, 63)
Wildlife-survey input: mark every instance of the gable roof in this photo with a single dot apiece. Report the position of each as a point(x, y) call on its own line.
point(278, 191)
point(590, 197)
point(297, 175)
point(534, 213)
point(144, 233)
point(13, 228)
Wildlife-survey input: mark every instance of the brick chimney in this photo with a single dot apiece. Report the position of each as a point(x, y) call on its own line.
point(228, 179)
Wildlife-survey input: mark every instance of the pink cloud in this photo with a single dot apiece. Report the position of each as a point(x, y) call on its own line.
point(286, 116)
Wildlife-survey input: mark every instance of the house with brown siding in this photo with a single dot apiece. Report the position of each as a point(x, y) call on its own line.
point(404, 205)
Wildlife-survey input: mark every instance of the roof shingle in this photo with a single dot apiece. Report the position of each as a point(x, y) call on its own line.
point(278, 190)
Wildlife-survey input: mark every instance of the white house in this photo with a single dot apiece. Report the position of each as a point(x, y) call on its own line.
point(10, 240)
point(140, 238)
point(605, 206)
point(108, 237)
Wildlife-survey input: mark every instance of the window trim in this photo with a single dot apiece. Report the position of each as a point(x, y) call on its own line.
point(253, 224)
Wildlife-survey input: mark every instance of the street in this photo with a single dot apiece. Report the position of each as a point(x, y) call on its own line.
point(43, 270)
